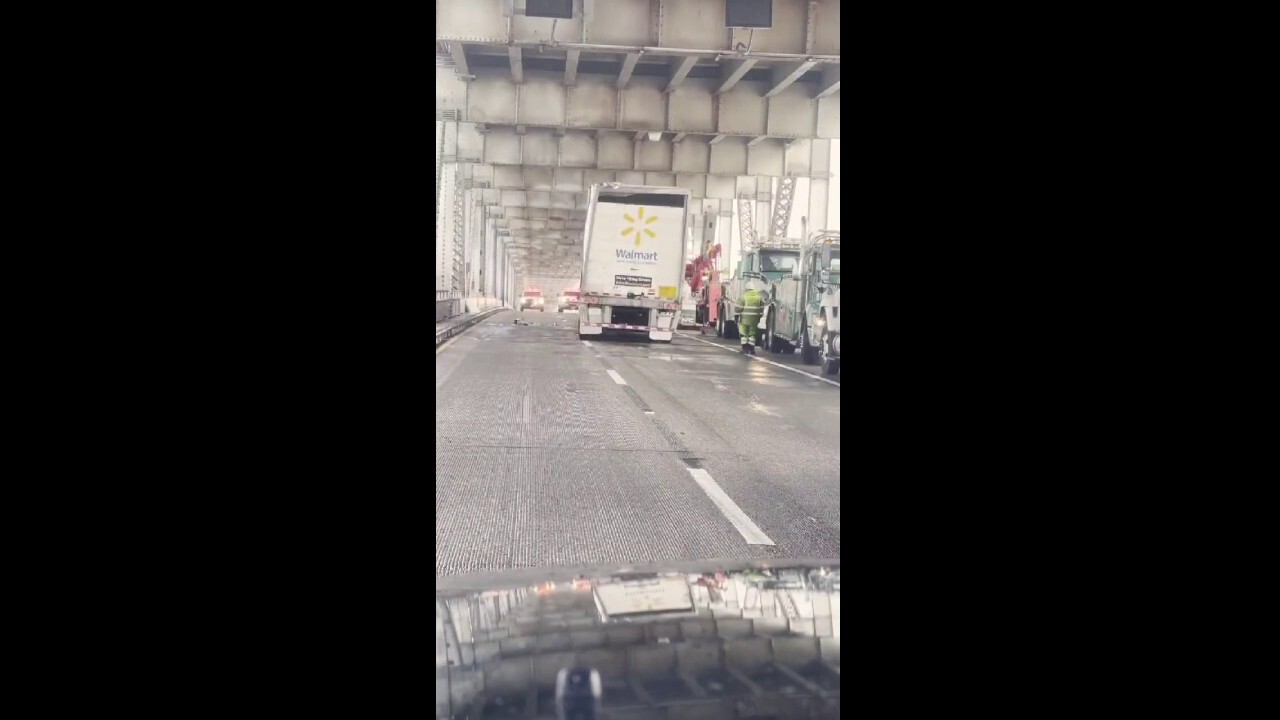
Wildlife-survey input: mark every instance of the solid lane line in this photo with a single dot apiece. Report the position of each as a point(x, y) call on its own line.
point(760, 359)
point(616, 377)
point(749, 530)
point(449, 342)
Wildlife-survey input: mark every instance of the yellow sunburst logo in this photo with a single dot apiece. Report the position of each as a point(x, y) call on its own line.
point(638, 225)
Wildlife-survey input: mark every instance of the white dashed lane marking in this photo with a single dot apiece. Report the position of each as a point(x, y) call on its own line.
point(616, 377)
point(743, 524)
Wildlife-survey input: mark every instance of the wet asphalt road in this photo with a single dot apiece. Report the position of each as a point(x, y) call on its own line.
point(552, 451)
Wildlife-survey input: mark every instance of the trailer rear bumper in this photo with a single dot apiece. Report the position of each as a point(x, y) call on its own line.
point(654, 333)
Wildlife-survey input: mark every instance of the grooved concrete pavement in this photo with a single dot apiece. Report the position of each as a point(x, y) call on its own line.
point(543, 460)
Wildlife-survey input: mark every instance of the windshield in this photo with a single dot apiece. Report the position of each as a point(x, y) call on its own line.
point(653, 418)
point(778, 262)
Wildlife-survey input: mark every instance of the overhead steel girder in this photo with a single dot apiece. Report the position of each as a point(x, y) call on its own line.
point(786, 109)
point(628, 66)
point(517, 65)
point(820, 157)
point(799, 27)
point(733, 73)
point(527, 161)
point(830, 84)
point(784, 75)
point(459, 56)
point(571, 67)
point(681, 69)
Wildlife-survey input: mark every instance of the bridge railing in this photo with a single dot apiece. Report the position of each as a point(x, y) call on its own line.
point(449, 304)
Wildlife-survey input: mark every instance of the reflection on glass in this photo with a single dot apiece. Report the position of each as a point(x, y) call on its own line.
point(777, 262)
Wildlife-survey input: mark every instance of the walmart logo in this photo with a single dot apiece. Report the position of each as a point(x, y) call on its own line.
point(638, 225)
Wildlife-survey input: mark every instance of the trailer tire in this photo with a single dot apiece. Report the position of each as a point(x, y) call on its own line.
point(808, 353)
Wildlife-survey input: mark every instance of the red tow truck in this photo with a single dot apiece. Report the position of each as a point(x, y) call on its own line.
point(703, 277)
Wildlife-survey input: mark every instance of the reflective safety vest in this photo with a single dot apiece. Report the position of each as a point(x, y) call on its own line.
point(751, 306)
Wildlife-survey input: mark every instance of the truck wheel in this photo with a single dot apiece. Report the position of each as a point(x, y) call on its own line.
point(830, 366)
point(731, 331)
point(720, 326)
point(808, 353)
point(770, 343)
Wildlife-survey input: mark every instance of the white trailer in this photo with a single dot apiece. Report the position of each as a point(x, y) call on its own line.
point(633, 260)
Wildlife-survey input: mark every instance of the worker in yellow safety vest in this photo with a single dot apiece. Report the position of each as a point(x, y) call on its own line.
point(749, 310)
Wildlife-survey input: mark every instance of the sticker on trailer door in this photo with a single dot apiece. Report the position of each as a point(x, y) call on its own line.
point(632, 281)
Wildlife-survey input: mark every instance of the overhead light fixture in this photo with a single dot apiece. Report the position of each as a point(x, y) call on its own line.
point(654, 136)
point(559, 9)
point(751, 14)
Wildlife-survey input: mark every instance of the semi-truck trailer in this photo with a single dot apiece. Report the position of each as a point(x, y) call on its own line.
point(633, 260)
